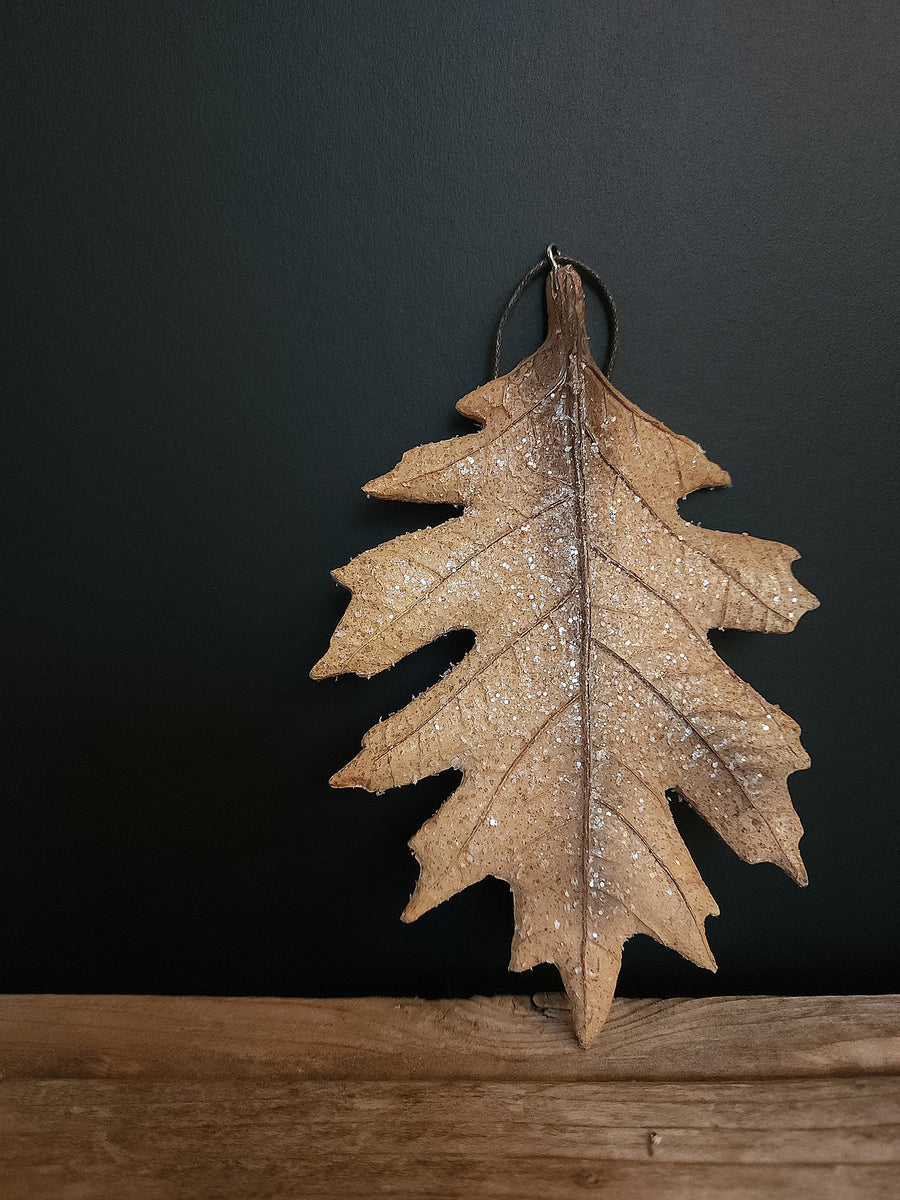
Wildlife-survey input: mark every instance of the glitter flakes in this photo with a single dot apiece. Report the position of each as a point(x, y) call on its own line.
point(591, 690)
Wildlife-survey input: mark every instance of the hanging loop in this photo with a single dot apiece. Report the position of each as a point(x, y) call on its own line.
point(552, 260)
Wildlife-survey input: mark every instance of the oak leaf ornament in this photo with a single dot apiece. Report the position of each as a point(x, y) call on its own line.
point(592, 689)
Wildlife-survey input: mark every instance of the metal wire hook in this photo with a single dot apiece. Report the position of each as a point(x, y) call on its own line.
point(555, 259)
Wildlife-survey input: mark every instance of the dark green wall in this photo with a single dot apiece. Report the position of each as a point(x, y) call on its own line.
point(251, 253)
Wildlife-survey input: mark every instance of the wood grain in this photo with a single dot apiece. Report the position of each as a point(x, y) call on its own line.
point(116, 1096)
point(498, 1037)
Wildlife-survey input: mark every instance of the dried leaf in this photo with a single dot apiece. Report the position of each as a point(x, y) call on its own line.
point(592, 687)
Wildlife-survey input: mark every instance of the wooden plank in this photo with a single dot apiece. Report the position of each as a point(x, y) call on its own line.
point(501, 1037)
point(420, 1139)
point(136, 1098)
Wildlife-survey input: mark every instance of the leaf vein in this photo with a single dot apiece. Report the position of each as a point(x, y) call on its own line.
point(710, 558)
point(673, 707)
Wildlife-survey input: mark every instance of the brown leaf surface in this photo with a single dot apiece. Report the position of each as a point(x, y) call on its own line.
point(592, 687)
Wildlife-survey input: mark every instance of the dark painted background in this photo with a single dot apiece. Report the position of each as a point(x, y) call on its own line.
point(251, 253)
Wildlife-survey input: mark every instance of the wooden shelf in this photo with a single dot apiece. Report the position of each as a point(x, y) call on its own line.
point(734, 1097)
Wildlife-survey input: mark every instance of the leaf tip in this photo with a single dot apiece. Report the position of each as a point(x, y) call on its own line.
point(792, 865)
point(385, 487)
point(375, 487)
point(705, 957)
point(719, 476)
point(591, 986)
point(799, 873)
point(414, 909)
point(335, 661)
point(349, 776)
